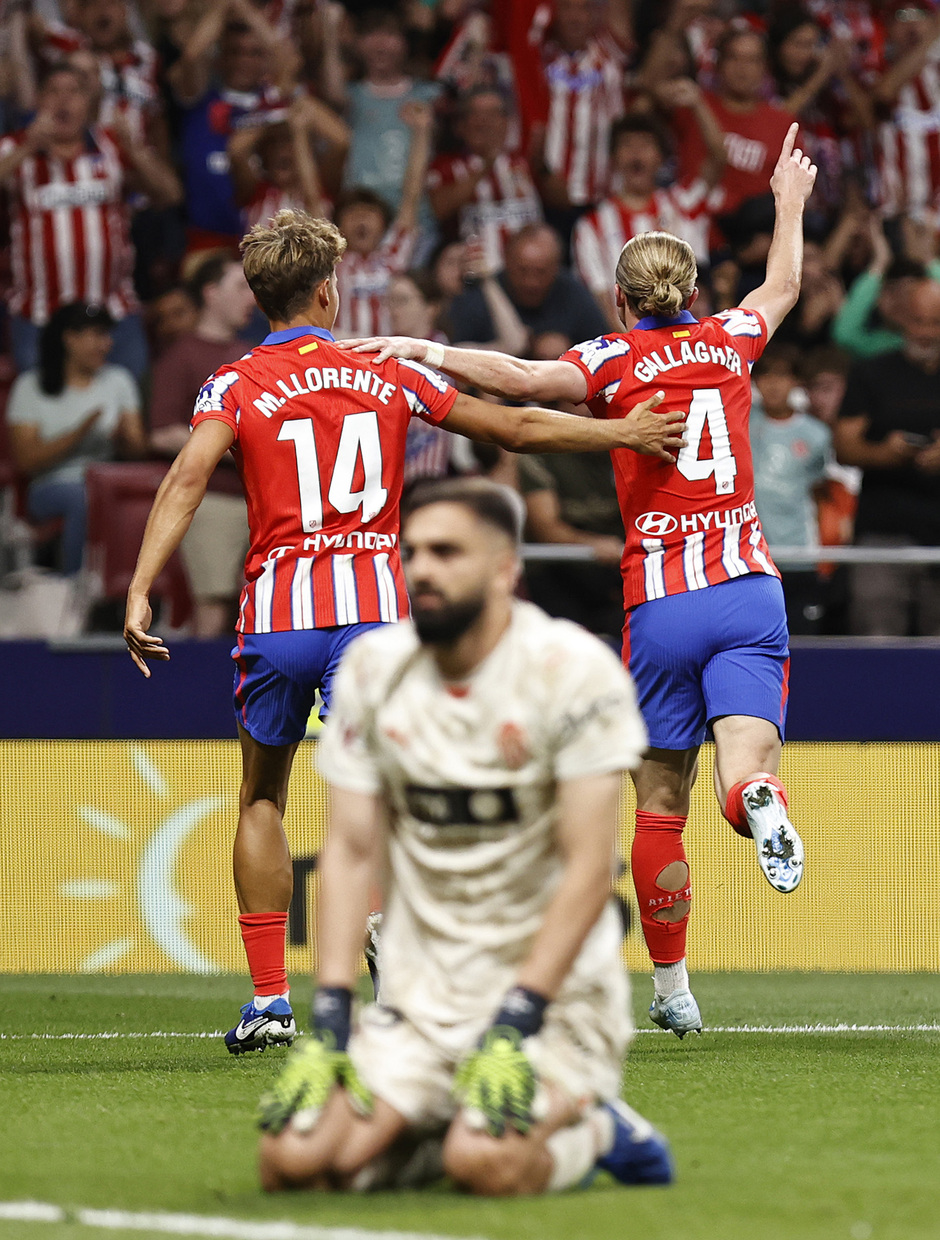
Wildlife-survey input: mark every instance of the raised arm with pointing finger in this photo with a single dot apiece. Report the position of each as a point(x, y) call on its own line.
point(792, 183)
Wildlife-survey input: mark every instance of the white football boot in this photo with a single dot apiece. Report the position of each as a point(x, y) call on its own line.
point(779, 847)
point(677, 1012)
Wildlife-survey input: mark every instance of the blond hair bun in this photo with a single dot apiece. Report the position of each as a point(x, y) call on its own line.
point(657, 274)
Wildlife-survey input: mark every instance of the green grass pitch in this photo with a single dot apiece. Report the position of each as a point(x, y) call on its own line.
point(777, 1136)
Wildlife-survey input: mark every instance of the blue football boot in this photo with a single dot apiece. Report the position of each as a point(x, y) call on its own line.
point(640, 1154)
point(269, 1026)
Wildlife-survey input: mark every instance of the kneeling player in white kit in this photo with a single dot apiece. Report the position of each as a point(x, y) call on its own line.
point(477, 757)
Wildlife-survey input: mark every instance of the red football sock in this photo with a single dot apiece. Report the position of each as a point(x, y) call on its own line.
point(657, 844)
point(263, 935)
point(734, 806)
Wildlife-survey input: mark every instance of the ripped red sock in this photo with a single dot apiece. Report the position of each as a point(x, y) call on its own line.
point(656, 845)
point(264, 936)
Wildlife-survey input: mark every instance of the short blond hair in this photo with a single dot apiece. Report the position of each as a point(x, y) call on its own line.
point(287, 258)
point(657, 273)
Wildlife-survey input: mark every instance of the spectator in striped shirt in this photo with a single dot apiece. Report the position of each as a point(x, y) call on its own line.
point(486, 190)
point(638, 149)
point(68, 181)
point(99, 38)
point(816, 82)
point(908, 92)
point(583, 62)
point(378, 245)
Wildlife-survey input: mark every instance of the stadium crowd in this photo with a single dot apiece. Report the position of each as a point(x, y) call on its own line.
point(485, 162)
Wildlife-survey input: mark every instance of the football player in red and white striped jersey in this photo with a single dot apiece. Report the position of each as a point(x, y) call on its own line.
point(319, 441)
point(706, 636)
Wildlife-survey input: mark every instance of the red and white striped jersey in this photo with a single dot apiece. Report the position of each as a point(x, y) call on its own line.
point(586, 96)
point(504, 200)
point(909, 144)
point(70, 236)
point(692, 524)
point(684, 210)
point(363, 281)
point(320, 449)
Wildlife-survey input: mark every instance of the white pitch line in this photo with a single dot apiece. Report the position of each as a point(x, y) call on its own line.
point(199, 1224)
point(818, 1028)
point(107, 1037)
point(840, 1028)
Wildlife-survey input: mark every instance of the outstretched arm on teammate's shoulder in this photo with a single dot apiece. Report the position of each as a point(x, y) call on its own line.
point(644, 429)
point(179, 496)
point(792, 183)
point(511, 378)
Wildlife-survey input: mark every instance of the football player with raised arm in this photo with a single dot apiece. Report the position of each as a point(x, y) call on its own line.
point(475, 758)
point(706, 634)
point(318, 438)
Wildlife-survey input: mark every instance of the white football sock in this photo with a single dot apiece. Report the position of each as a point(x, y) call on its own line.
point(263, 1001)
point(575, 1150)
point(670, 977)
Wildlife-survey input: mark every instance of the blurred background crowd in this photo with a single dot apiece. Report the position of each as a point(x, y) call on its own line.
point(486, 161)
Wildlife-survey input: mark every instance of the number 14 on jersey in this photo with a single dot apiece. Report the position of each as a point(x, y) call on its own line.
point(359, 438)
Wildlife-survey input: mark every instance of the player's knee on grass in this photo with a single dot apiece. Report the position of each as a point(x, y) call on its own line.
point(674, 878)
point(488, 1166)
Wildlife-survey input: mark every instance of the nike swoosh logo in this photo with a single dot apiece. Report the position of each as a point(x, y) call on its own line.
point(243, 1031)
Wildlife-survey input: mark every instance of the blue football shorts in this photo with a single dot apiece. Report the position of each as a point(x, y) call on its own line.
point(277, 676)
point(698, 656)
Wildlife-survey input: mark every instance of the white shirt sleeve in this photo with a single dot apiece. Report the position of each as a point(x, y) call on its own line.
point(22, 404)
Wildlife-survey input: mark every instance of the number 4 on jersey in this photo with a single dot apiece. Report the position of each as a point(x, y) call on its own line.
point(359, 437)
point(706, 409)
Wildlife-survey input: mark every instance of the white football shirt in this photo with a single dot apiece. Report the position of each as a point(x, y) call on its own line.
point(469, 773)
